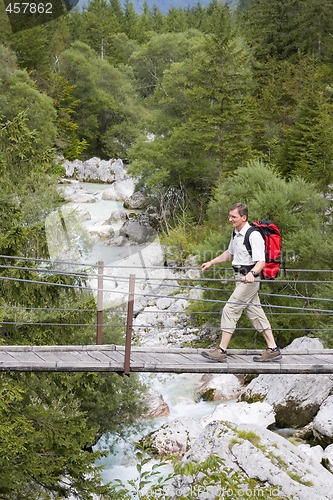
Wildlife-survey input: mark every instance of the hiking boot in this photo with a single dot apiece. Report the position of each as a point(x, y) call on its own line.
point(217, 355)
point(269, 354)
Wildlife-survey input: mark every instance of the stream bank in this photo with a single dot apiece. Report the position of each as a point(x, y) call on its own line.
point(189, 420)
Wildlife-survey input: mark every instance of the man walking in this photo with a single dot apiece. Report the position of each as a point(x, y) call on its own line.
point(245, 296)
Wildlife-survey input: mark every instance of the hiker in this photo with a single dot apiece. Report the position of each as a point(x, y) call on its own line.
point(245, 295)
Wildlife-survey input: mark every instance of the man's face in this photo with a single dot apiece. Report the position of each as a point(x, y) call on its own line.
point(237, 221)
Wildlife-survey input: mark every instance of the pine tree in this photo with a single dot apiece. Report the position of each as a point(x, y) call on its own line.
point(308, 147)
point(176, 20)
point(145, 24)
point(282, 28)
point(131, 21)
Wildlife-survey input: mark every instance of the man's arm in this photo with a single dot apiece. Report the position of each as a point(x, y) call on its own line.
point(224, 257)
point(258, 255)
point(257, 268)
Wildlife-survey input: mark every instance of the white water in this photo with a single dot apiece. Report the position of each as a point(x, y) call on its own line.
point(178, 390)
point(180, 393)
point(100, 211)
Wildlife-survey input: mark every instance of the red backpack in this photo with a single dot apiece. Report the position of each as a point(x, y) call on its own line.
point(272, 237)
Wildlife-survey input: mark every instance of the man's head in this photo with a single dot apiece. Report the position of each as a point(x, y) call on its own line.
point(238, 215)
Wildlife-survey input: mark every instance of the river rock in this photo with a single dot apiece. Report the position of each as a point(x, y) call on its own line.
point(95, 170)
point(218, 387)
point(323, 422)
point(175, 437)
point(119, 190)
point(259, 455)
point(296, 399)
point(315, 452)
point(102, 232)
point(328, 458)
point(137, 201)
point(116, 218)
point(157, 407)
point(242, 413)
point(140, 229)
point(75, 193)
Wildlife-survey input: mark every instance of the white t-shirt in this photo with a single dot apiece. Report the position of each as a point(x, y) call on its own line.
point(241, 256)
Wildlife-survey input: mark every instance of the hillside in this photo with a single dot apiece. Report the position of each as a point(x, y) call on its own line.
point(166, 5)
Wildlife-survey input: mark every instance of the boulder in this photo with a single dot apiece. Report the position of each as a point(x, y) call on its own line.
point(328, 458)
point(296, 399)
point(163, 303)
point(95, 170)
point(315, 452)
point(76, 194)
point(157, 407)
point(137, 201)
point(305, 433)
point(242, 413)
point(102, 232)
point(119, 190)
point(305, 343)
point(116, 218)
point(265, 464)
point(175, 437)
point(71, 167)
point(140, 229)
point(218, 387)
point(323, 422)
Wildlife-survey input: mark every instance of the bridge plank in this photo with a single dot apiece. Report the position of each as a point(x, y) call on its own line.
point(160, 359)
point(323, 358)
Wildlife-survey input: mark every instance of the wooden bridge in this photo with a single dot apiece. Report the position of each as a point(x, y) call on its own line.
point(114, 358)
point(128, 358)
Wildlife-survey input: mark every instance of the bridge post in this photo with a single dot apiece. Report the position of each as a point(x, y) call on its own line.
point(129, 326)
point(99, 332)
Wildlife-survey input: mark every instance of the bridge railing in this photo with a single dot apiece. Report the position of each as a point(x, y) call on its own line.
point(132, 285)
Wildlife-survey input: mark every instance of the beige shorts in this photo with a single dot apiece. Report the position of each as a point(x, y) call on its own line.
point(244, 298)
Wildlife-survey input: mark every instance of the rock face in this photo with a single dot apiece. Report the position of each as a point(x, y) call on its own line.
point(215, 388)
point(102, 171)
point(328, 458)
point(277, 466)
point(140, 229)
point(242, 413)
point(137, 201)
point(96, 170)
point(119, 190)
point(296, 399)
point(323, 422)
point(175, 437)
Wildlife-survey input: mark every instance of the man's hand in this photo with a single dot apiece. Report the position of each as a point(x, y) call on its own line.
point(249, 278)
point(206, 265)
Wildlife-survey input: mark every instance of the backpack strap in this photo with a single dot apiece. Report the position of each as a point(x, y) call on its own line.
point(247, 238)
